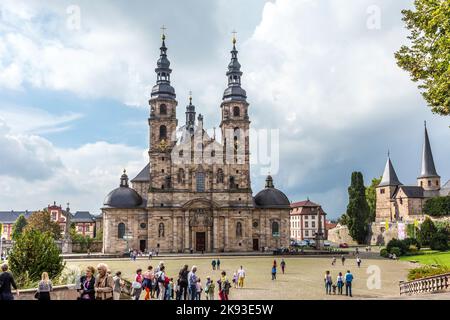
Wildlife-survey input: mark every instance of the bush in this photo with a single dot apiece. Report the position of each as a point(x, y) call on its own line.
point(33, 253)
point(384, 253)
point(427, 230)
point(426, 271)
point(397, 251)
point(439, 242)
point(401, 245)
point(411, 242)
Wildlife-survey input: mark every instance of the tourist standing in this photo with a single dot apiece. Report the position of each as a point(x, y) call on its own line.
point(44, 287)
point(87, 282)
point(224, 286)
point(209, 289)
point(218, 264)
point(348, 283)
point(118, 284)
point(6, 281)
point(241, 277)
point(235, 280)
point(183, 282)
point(274, 271)
point(199, 289)
point(340, 283)
point(192, 283)
point(328, 282)
point(343, 259)
point(283, 265)
point(161, 280)
point(137, 284)
point(148, 282)
point(213, 263)
point(104, 284)
point(358, 262)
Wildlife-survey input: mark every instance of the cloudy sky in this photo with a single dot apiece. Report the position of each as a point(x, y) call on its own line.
point(75, 78)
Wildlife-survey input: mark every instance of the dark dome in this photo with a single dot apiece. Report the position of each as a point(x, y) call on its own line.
point(234, 93)
point(123, 197)
point(271, 197)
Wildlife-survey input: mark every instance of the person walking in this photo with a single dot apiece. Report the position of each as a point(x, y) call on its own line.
point(148, 282)
point(283, 265)
point(343, 259)
point(224, 286)
point(348, 283)
point(192, 283)
point(44, 288)
point(328, 282)
point(137, 284)
point(218, 264)
point(241, 277)
point(161, 280)
point(213, 264)
point(199, 288)
point(333, 262)
point(340, 283)
point(209, 289)
point(104, 284)
point(358, 262)
point(87, 283)
point(183, 282)
point(235, 280)
point(274, 272)
point(118, 285)
point(6, 282)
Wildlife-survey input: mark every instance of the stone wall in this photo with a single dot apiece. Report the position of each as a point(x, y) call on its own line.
point(67, 292)
point(96, 246)
point(340, 234)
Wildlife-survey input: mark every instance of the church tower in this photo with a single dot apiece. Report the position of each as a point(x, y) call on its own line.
point(429, 180)
point(163, 123)
point(385, 190)
point(235, 126)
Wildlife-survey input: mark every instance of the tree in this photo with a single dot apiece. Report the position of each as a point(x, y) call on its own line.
point(40, 221)
point(33, 253)
point(439, 241)
point(371, 197)
point(438, 206)
point(427, 58)
point(18, 227)
point(426, 232)
point(343, 220)
point(357, 209)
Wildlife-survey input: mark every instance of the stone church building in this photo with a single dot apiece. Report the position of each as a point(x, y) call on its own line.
point(195, 193)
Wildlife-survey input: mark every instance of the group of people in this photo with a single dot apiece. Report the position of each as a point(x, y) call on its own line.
point(358, 261)
point(341, 281)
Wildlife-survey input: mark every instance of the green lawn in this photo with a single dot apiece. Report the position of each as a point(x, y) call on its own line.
point(431, 257)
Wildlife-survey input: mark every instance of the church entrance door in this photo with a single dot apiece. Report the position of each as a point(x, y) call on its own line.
point(256, 244)
point(200, 241)
point(142, 245)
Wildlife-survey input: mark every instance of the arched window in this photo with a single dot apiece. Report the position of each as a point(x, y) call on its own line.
point(161, 230)
point(121, 230)
point(239, 229)
point(162, 132)
point(213, 153)
point(200, 176)
point(275, 229)
point(236, 111)
point(163, 109)
point(232, 184)
point(220, 176)
point(180, 154)
point(180, 176)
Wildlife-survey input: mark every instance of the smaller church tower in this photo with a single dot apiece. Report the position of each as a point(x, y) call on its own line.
point(385, 190)
point(429, 180)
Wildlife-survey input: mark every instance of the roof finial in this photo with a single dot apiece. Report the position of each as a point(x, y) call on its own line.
point(425, 124)
point(163, 33)
point(234, 36)
point(389, 153)
point(124, 171)
point(190, 97)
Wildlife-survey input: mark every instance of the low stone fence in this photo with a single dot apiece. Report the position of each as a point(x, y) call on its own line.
point(67, 292)
point(432, 284)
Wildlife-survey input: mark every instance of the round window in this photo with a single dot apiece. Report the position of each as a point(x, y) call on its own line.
point(255, 224)
point(143, 225)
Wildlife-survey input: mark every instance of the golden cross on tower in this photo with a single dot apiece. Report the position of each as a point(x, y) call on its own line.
point(234, 32)
point(190, 97)
point(163, 33)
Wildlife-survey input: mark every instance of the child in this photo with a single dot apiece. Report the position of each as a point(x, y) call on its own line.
point(209, 289)
point(170, 290)
point(334, 288)
point(199, 289)
point(274, 272)
point(235, 280)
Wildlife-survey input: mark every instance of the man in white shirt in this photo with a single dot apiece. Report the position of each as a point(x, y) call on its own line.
point(241, 277)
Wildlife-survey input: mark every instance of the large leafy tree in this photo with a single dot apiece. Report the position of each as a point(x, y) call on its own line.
point(33, 253)
point(427, 231)
point(439, 206)
point(18, 227)
point(41, 221)
point(371, 197)
point(358, 209)
point(427, 57)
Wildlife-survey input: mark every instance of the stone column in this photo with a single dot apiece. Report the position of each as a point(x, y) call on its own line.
point(175, 235)
point(226, 234)
point(186, 231)
point(215, 234)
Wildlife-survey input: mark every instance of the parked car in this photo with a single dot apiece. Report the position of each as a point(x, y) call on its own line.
point(343, 245)
point(303, 243)
point(327, 243)
point(312, 243)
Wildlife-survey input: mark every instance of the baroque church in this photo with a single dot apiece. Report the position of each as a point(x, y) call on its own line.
point(398, 202)
point(195, 193)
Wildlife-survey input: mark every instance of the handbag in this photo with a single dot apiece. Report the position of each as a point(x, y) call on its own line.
point(136, 285)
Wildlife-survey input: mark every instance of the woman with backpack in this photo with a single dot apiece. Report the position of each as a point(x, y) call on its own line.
point(137, 284)
point(161, 279)
point(44, 287)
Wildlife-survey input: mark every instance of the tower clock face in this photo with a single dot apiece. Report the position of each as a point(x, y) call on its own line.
point(163, 145)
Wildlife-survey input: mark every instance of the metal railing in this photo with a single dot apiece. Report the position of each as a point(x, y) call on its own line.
point(426, 285)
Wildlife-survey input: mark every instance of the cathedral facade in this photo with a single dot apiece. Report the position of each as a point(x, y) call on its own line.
point(195, 193)
point(398, 202)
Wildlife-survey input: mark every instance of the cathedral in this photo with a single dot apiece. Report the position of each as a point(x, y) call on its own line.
point(195, 193)
point(398, 202)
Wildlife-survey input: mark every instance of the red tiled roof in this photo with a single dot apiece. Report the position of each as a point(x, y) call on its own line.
point(305, 203)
